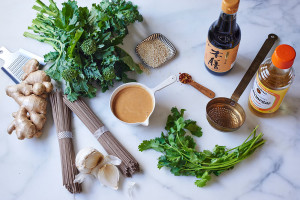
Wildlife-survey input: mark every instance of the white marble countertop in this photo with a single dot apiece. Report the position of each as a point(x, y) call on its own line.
point(30, 169)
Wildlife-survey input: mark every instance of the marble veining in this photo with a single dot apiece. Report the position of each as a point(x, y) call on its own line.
point(30, 169)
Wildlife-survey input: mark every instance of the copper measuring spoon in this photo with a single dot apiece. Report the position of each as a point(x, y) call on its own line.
point(226, 114)
point(185, 78)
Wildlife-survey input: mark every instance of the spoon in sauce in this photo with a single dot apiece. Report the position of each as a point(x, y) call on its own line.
point(185, 78)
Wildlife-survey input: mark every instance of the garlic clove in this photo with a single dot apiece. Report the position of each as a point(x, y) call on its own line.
point(110, 159)
point(93, 159)
point(87, 159)
point(79, 178)
point(109, 176)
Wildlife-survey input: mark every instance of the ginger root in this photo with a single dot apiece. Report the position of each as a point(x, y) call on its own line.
point(31, 95)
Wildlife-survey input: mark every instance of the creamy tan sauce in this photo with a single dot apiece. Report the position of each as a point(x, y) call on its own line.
point(132, 104)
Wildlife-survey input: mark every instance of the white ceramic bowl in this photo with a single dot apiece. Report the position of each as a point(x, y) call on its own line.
point(151, 91)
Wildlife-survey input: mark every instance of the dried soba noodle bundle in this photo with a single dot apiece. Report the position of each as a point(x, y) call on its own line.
point(62, 119)
point(111, 145)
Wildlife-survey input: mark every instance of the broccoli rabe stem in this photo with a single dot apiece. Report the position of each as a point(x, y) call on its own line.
point(50, 41)
point(40, 30)
point(45, 8)
point(46, 21)
point(53, 4)
point(37, 8)
point(40, 23)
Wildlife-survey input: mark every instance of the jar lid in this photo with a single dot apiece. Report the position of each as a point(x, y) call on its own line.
point(230, 6)
point(283, 56)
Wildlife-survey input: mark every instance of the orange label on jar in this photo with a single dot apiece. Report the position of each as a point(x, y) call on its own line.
point(264, 99)
point(219, 60)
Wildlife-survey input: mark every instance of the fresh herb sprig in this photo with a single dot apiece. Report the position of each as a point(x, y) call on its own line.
point(180, 154)
point(85, 43)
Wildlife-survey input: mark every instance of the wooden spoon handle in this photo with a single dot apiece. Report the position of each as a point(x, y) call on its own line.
point(207, 92)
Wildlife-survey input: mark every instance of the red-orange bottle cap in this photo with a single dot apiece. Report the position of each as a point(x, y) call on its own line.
point(284, 56)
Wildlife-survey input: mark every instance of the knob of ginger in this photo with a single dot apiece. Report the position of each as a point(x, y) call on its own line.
point(31, 95)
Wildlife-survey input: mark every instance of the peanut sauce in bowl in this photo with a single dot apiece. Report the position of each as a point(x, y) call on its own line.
point(132, 104)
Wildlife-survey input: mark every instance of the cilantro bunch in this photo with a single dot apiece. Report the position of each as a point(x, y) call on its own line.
point(85, 43)
point(180, 154)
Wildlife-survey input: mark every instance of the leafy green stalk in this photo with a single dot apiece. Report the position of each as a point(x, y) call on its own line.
point(44, 8)
point(50, 41)
point(99, 62)
point(180, 155)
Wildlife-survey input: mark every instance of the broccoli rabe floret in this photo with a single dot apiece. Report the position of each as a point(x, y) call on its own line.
point(108, 73)
point(88, 47)
point(69, 74)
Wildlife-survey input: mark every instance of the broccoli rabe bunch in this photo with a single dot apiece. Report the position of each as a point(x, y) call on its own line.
point(85, 43)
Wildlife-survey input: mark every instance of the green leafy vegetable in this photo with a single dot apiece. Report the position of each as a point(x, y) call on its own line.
point(85, 43)
point(88, 47)
point(180, 154)
point(109, 73)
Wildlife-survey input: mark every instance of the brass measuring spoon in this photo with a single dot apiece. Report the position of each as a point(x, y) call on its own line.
point(185, 78)
point(226, 114)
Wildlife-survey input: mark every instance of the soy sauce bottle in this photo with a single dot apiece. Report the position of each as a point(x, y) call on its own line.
point(223, 40)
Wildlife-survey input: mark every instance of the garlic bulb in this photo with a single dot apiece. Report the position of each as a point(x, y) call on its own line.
point(87, 159)
point(90, 161)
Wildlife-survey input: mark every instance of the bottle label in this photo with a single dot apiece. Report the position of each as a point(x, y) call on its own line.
point(264, 99)
point(219, 60)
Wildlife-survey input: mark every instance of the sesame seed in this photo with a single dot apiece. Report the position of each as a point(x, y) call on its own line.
point(154, 52)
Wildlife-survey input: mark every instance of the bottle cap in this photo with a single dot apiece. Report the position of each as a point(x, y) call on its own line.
point(230, 6)
point(283, 56)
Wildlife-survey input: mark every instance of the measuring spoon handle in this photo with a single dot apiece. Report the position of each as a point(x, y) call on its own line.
point(165, 83)
point(264, 50)
point(207, 92)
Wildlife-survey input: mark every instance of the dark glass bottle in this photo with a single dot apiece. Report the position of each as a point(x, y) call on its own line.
point(223, 40)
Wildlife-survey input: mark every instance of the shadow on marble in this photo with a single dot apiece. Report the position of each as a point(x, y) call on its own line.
point(160, 112)
point(289, 106)
point(137, 32)
point(240, 67)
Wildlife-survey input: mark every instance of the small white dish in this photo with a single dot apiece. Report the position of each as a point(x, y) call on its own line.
point(151, 91)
